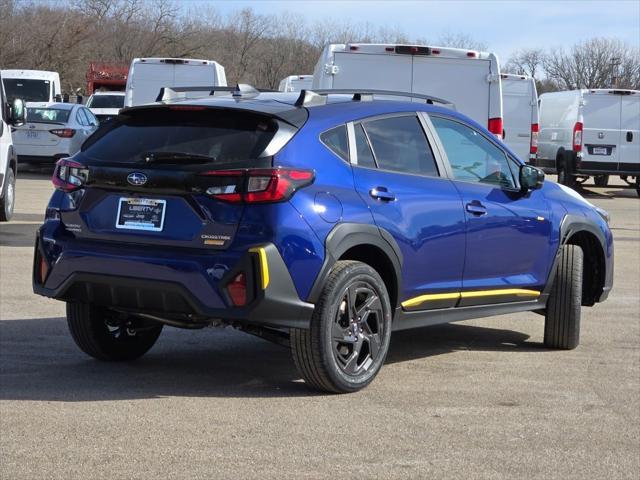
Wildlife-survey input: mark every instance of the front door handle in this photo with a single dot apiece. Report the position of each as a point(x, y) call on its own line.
point(476, 208)
point(382, 193)
point(629, 136)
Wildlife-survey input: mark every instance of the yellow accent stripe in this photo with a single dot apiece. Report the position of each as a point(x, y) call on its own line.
point(264, 265)
point(412, 302)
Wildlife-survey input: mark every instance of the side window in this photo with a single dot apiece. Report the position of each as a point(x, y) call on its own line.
point(365, 157)
point(399, 144)
point(80, 117)
point(336, 140)
point(90, 116)
point(473, 158)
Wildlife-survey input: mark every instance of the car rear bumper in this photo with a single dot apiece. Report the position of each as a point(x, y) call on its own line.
point(177, 291)
point(547, 166)
point(586, 167)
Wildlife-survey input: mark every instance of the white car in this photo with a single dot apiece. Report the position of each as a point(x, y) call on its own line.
point(53, 131)
point(105, 105)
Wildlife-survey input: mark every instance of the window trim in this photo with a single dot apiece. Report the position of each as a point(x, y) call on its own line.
point(346, 160)
point(450, 168)
point(416, 115)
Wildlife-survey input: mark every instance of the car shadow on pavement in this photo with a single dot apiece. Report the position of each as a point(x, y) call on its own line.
point(39, 361)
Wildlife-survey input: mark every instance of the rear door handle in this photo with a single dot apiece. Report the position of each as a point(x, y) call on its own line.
point(382, 193)
point(476, 208)
point(629, 136)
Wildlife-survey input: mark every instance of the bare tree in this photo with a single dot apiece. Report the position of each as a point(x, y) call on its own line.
point(526, 62)
point(460, 40)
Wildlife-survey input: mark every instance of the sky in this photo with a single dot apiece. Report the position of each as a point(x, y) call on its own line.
point(504, 25)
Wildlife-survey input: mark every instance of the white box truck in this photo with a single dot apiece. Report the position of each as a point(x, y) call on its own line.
point(590, 133)
point(33, 86)
point(520, 114)
point(11, 114)
point(295, 83)
point(147, 76)
point(467, 78)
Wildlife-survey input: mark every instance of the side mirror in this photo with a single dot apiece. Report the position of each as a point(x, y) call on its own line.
point(531, 178)
point(18, 113)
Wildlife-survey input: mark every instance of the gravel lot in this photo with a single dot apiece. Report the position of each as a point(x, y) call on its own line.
point(480, 399)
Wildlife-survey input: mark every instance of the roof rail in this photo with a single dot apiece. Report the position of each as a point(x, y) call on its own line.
point(241, 90)
point(310, 98)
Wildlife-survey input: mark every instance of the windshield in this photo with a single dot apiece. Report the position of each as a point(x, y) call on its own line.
point(220, 136)
point(26, 89)
point(106, 101)
point(47, 115)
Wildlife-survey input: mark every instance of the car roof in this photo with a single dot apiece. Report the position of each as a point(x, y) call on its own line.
point(55, 105)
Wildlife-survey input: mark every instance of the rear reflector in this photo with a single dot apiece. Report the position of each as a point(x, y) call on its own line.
point(237, 289)
point(535, 129)
point(577, 137)
point(63, 132)
point(495, 127)
point(43, 270)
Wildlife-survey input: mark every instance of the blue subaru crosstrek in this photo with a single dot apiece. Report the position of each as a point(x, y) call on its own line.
point(321, 222)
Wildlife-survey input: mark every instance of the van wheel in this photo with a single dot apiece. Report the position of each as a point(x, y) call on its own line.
point(101, 334)
point(8, 200)
point(348, 338)
point(601, 180)
point(562, 315)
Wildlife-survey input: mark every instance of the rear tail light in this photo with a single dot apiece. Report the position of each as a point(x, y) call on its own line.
point(472, 54)
point(69, 175)
point(495, 127)
point(257, 185)
point(237, 289)
point(535, 130)
point(63, 132)
point(577, 137)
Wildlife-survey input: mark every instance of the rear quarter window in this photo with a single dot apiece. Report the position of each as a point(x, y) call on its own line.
point(336, 140)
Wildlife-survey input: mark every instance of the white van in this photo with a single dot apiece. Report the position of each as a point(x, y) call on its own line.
point(10, 114)
point(590, 133)
point(296, 83)
point(36, 86)
point(467, 78)
point(520, 114)
point(147, 76)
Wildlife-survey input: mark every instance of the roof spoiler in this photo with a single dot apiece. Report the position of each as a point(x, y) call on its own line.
point(241, 90)
point(310, 98)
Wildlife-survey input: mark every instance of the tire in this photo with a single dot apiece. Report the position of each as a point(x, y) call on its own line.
point(564, 163)
point(601, 180)
point(101, 334)
point(562, 315)
point(341, 353)
point(8, 200)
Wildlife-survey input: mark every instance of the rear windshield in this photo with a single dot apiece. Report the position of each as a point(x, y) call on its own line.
point(106, 101)
point(170, 136)
point(27, 90)
point(47, 115)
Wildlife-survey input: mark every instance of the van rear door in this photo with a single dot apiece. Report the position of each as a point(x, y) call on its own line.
point(517, 99)
point(629, 157)
point(601, 131)
point(378, 72)
point(458, 80)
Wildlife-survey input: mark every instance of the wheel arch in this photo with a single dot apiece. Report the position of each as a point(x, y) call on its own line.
point(368, 244)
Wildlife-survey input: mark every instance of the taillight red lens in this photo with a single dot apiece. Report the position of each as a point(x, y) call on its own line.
point(237, 289)
point(495, 126)
point(257, 185)
point(63, 132)
point(577, 137)
point(535, 129)
point(69, 175)
point(44, 270)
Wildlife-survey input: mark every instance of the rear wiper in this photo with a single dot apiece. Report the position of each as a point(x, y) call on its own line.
point(180, 157)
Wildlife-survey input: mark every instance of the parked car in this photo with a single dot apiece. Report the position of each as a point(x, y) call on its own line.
point(468, 78)
point(295, 83)
point(11, 114)
point(147, 76)
point(105, 105)
point(37, 86)
point(520, 110)
point(53, 131)
point(320, 223)
point(590, 133)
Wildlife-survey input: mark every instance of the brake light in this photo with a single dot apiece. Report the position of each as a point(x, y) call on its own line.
point(577, 137)
point(63, 132)
point(471, 54)
point(237, 289)
point(257, 185)
point(69, 175)
point(495, 127)
point(535, 130)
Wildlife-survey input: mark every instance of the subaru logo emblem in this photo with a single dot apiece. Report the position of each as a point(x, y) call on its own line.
point(137, 178)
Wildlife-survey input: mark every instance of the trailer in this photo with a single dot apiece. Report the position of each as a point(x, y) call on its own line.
point(106, 76)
